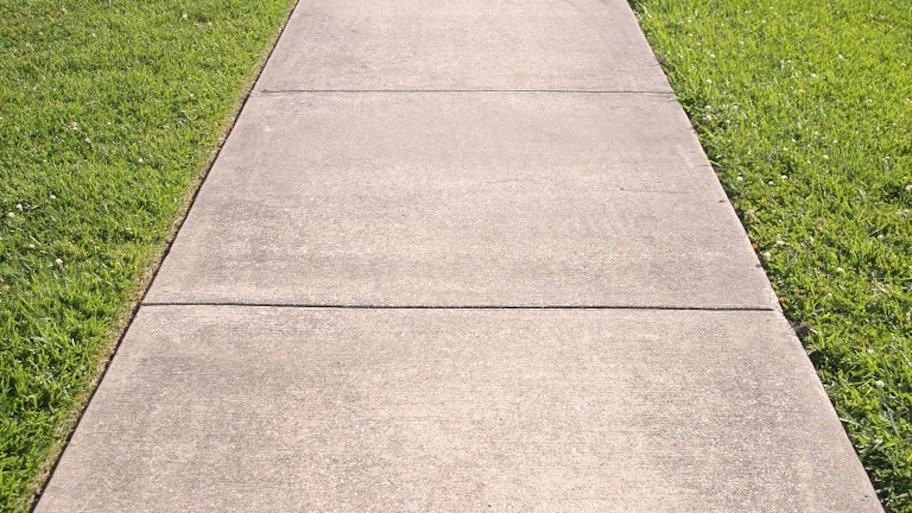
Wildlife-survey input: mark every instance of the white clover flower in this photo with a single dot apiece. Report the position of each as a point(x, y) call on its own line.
point(19, 207)
point(10, 214)
point(58, 261)
point(880, 384)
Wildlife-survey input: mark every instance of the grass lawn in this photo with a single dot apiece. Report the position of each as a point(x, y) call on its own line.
point(805, 109)
point(109, 113)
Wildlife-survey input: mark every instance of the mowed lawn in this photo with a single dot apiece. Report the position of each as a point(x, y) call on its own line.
point(110, 111)
point(805, 109)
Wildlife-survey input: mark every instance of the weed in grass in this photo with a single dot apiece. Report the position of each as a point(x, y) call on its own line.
point(805, 109)
point(109, 111)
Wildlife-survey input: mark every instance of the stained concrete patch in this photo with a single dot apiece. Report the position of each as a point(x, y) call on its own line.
point(235, 409)
point(464, 44)
point(463, 199)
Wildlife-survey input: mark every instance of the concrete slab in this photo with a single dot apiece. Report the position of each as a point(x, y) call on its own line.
point(449, 199)
point(237, 409)
point(479, 153)
point(463, 44)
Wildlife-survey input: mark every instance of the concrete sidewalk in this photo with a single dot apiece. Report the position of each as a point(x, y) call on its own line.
point(466, 256)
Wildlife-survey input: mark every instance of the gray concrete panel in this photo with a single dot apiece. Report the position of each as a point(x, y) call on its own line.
point(487, 153)
point(242, 409)
point(463, 199)
point(463, 44)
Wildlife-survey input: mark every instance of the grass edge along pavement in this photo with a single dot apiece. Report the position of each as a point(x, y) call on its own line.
point(110, 114)
point(805, 109)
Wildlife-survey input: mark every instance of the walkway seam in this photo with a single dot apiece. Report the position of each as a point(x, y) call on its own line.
point(472, 307)
point(461, 91)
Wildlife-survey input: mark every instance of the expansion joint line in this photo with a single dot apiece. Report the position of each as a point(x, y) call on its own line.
point(458, 91)
point(342, 306)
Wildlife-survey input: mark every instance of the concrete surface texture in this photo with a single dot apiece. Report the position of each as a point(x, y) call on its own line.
point(455, 199)
point(236, 408)
point(358, 45)
point(460, 256)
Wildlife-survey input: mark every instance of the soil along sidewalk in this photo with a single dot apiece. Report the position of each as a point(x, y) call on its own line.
point(461, 257)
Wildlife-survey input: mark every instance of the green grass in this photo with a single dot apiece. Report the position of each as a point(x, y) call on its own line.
point(110, 110)
point(109, 113)
point(805, 109)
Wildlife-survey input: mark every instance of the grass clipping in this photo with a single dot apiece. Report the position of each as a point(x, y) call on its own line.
point(109, 112)
point(805, 109)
